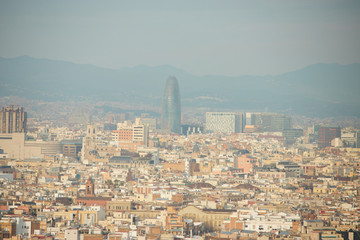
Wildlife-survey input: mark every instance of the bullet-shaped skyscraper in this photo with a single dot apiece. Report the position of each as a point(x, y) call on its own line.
point(171, 107)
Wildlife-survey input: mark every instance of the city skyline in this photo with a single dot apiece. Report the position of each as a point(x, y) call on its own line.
point(302, 92)
point(238, 56)
point(179, 120)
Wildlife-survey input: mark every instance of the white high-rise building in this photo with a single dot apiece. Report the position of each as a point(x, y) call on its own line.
point(140, 132)
point(224, 122)
point(131, 135)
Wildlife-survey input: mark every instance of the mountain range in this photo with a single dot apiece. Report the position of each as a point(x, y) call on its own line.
point(319, 90)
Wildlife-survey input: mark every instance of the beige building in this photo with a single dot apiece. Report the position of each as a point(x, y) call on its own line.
point(15, 146)
point(116, 206)
point(212, 218)
point(127, 162)
point(89, 216)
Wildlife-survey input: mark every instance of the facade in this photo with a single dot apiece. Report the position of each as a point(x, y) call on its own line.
point(327, 134)
point(171, 107)
point(350, 138)
point(260, 221)
point(280, 122)
point(15, 146)
point(127, 162)
point(13, 120)
point(224, 122)
point(212, 218)
point(246, 163)
point(71, 148)
point(175, 167)
point(89, 216)
point(174, 222)
point(270, 122)
point(130, 135)
point(8, 229)
point(72, 234)
point(118, 206)
point(270, 174)
point(291, 135)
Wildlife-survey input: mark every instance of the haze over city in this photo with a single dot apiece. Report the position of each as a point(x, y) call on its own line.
point(179, 120)
point(201, 37)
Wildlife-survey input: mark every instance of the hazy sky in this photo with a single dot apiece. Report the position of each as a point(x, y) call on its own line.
point(199, 36)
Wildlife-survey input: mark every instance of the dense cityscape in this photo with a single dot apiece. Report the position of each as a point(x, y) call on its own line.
point(180, 120)
point(236, 175)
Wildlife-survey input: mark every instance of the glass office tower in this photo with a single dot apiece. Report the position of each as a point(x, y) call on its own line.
point(171, 107)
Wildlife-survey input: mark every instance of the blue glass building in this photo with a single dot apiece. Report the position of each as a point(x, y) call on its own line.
point(171, 107)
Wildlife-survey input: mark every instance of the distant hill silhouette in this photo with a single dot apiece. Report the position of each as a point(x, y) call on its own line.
point(317, 90)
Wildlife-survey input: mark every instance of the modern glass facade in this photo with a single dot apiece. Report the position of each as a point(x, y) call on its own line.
point(326, 134)
point(271, 122)
point(171, 107)
point(225, 122)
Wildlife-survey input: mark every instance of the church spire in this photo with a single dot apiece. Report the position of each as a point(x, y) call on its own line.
point(90, 188)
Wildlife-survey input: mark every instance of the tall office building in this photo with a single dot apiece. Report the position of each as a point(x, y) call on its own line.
point(357, 135)
point(13, 137)
point(271, 122)
point(12, 120)
point(130, 135)
point(280, 123)
point(224, 122)
point(171, 108)
point(326, 134)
